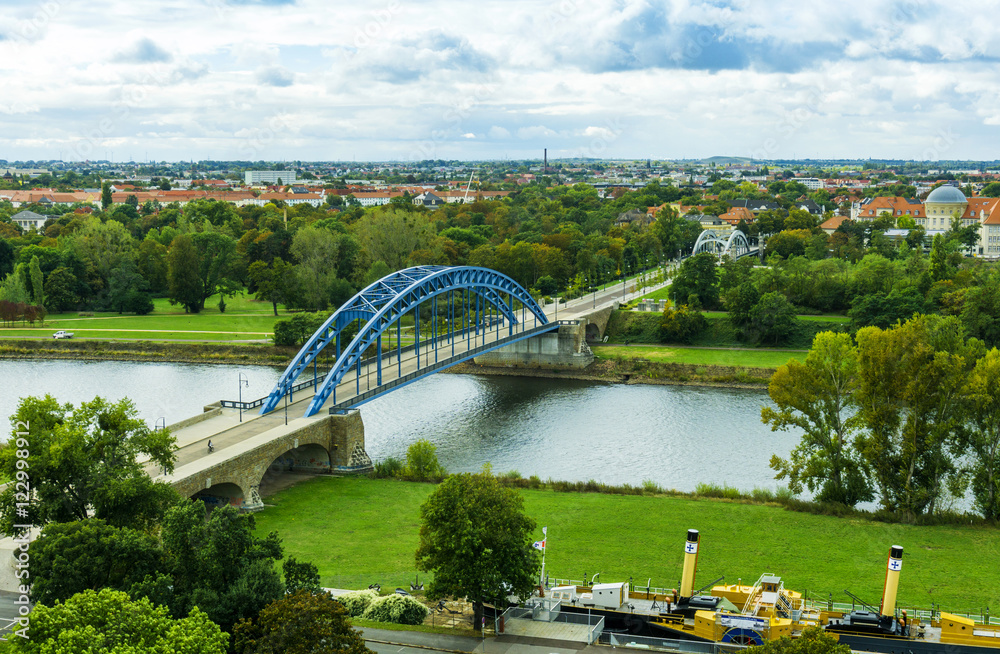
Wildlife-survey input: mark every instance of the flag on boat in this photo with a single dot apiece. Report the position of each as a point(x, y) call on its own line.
point(539, 544)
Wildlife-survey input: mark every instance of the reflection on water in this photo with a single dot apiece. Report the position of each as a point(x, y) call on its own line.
point(563, 429)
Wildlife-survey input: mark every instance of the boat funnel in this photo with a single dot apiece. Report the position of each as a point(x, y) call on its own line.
point(690, 562)
point(888, 606)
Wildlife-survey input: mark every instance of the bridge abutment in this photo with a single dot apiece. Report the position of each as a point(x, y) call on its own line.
point(322, 444)
point(561, 349)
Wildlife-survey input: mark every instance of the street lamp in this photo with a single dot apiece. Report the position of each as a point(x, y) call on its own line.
point(243, 381)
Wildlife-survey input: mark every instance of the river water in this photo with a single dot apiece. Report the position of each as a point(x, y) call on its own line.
point(677, 436)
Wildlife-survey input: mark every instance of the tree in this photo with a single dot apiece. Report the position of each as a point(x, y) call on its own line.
point(392, 235)
point(105, 196)
point(812, 640)
point(216, 254)
point(219, 565)
point(60, 290)
point(681, 325)
point(816, 397)
point(37, 287)
point(697, 276)
point(77, 456)
point(300, 576)
point(740, 302)
point(123, 284)
point(182, 274)
point(151, 259)
point(108, 622)
point(910, 404)
point(772, 319)
point(476, 539)
point(273, 282)
point(981, 439)
point(71, 557)
point(422, 462)
point(316, 251)
point(301, 623)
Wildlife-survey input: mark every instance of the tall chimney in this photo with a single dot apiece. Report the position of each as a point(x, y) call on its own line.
point(690, 562)
point(888, 606)
point(545, 167)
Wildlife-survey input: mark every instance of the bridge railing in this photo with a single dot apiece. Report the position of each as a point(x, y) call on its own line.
point(343, 407)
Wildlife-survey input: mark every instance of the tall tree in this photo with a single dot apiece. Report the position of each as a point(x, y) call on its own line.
point(910, 402)
point(981, 440)
point(182, 274)
point(37, 286)
point(216, 256)
point(71, 557)
point(316, 252)
point(476, 539)
point(697, 276)
point(273, 282)
point(391, 235)
point(77, 456)
point(220, 564)
point(816, 397)
point(60, 289)
point(105, 196)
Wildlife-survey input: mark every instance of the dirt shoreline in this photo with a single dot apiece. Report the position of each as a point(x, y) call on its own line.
point(620, 371)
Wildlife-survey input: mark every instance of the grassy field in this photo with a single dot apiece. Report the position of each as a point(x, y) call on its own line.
point(244, 319)
point(698, 356)
point(360, 531)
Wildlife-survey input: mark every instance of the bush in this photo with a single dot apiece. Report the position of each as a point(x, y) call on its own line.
point(422, 462)
point(681, 325)
point(651, 487)
point(400, 609)
point(297, 329)
point(388, 468)
point(357, 602)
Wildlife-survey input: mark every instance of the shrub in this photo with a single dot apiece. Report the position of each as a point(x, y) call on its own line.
point(357, 602)
point(651, 487)
point(535, 482)
point(762, 495)
point(400, 609)
point(388, 468)
point(512, 474)
point(422, 462)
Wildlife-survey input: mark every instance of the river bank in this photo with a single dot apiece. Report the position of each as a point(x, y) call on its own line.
point(617, 370)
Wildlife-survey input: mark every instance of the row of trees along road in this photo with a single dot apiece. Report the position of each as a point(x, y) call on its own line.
point(908, 415)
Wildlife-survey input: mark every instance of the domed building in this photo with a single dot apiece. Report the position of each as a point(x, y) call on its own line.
point(942, 204)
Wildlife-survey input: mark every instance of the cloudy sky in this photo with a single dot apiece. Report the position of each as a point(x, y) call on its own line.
point(494, 79)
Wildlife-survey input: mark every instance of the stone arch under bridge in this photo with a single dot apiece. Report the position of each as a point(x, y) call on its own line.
point(324, 444)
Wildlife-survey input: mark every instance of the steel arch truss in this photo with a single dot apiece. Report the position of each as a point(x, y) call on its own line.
point(735, 246)
point(383, 304)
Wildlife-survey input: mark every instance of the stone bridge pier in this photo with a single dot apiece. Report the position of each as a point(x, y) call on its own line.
point(322, 444)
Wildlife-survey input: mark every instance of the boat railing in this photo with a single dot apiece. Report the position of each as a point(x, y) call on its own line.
point(552, 582)
point(980, 616)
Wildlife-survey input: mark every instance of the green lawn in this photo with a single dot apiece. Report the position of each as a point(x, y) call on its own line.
point(244, 319)
point(739, 358)
point(359, 531)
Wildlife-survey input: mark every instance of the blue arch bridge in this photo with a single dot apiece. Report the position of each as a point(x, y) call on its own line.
point(735, 245)
point(405, 326)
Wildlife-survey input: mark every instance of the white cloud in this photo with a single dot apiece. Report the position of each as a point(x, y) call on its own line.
point(658, 78)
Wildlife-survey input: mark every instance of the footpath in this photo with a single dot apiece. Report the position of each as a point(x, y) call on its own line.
point(384, 641)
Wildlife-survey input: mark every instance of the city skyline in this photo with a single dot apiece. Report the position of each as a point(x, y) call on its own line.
point(404, 81)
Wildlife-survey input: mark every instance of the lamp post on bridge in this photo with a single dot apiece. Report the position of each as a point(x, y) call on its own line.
point(243, 381)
